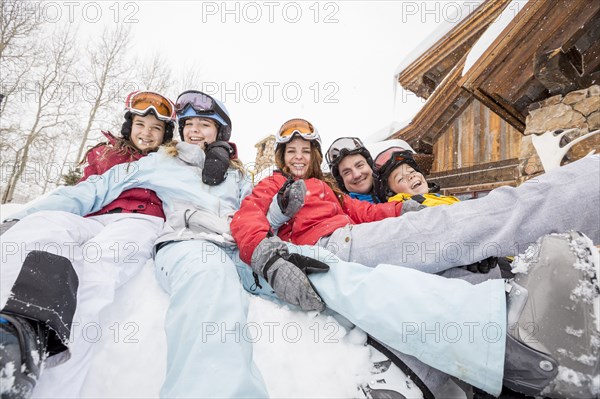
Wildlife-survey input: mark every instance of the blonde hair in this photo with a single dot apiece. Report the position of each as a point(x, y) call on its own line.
point(314, 169)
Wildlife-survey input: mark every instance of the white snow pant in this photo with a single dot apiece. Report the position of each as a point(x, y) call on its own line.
point(451, 325)
point(503, 223)
point(97, 255)
point(207, 356)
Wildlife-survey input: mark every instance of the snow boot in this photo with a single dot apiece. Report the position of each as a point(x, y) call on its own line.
point(22, 353)
point(553, 338)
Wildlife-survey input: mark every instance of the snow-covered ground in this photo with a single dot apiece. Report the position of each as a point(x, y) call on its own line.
point(131, 356)
point(300, 354)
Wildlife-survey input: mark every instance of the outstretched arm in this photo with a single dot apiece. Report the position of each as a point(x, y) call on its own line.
point(90, 195)
point(250, 225)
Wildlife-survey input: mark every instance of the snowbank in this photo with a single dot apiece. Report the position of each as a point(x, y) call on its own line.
point(130, 358)
point(130, 355)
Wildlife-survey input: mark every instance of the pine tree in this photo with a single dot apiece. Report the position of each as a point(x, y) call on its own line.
point(72, 177)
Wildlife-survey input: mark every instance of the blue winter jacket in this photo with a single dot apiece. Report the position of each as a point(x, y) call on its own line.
point(193, 209)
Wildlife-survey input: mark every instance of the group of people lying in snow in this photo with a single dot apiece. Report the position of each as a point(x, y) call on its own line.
point(367, 241)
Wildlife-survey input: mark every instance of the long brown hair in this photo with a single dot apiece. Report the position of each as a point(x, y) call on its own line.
point(314, 169)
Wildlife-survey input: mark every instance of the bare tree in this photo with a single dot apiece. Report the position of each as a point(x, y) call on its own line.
point(50, 102)
point(155, 74)
point(189, 79)
point(17, 52)
point(106, 67)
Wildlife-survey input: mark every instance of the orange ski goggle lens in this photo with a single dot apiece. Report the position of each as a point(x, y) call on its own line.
point(297, 126)
point(142, 101)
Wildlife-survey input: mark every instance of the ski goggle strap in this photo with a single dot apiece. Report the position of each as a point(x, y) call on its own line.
point(140, 102)
point(299, 127)
point(200, 102)
point(342, 147)
point(389, 159)
point(397, 153)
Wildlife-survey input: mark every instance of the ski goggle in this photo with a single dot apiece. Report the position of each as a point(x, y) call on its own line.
point(140, 102)
point(295, 127)
point(200, 102)
point(342, 147)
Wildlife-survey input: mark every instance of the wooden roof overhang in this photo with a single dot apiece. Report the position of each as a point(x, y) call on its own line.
point(437, 114)
point(551, 47)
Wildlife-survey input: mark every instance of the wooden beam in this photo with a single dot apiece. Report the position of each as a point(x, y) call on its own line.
point(438, 113)
point(491, 172)
point(559, 71)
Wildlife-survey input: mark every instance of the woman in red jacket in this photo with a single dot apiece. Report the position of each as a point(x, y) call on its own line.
point(326, 209)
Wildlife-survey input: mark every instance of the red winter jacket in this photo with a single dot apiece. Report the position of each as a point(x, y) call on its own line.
point(137, 200)
point(320, 216)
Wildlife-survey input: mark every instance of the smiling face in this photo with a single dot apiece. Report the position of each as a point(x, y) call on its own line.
point(404, 179)
point(147, 132)
point(296, 156)
point(356, 174)
point(200, 131)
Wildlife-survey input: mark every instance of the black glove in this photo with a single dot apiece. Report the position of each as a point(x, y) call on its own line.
point(216, 163)
point(290, 196)
point(483, 266)
point(287, 273)
point(7, 224)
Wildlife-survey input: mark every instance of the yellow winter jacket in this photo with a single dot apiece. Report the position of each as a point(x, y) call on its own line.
point(426, 199)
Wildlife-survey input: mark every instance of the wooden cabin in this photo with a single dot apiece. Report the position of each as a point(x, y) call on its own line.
point(485, 101)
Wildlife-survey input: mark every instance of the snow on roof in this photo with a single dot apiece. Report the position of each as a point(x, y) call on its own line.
point(492, 32)
point(453, 15)
point(376, 148)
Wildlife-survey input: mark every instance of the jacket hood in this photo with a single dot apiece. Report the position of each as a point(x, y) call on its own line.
point(190, 153)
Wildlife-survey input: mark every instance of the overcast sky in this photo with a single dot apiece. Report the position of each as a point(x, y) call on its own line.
point(331, 62)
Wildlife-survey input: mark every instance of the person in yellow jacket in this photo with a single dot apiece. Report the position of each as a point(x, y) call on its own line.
point(400, 179)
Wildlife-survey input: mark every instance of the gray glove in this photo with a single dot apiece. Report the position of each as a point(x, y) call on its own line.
point(7, 225)
point(290, 197)
point(287, 273)
point(411, 206)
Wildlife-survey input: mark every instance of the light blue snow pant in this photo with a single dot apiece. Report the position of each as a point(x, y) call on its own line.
point(449, 324)
point(503, 223)
point(206, 355)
